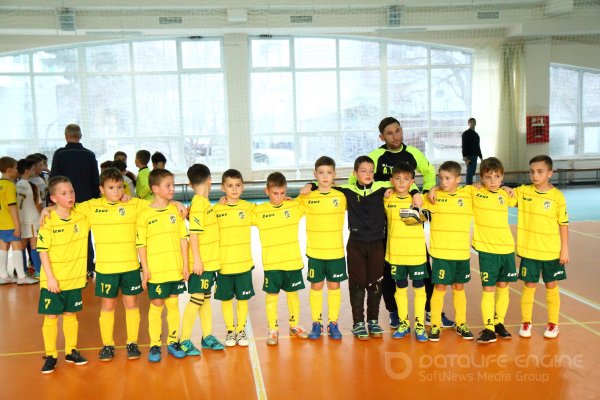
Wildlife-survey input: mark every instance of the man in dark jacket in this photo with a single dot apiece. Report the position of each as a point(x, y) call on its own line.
point(470, 149)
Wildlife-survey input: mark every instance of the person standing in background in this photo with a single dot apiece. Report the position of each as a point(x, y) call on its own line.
point(470, 149)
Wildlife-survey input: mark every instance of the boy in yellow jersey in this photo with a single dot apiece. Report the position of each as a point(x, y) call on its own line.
point(406, 253)
point(450, 229)
point(277, 221)
point(542, 242)
point(161, 239)
point(494, 242)
point(204, 262)
point(142, 187)
point(235, 276)
point(325, 211)
point(62, 244)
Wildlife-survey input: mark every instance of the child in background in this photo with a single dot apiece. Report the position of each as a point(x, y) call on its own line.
point(128, 185)
point(30, 205)
point(142, 188)
point(122, 156)
point(158, 160)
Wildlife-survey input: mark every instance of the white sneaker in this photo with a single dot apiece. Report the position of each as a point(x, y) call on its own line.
point(8, 279)
point(551, 331)
point(525, 330)
point(230, 339)
point(27, 280)
point(242, 339)
point(273, 338)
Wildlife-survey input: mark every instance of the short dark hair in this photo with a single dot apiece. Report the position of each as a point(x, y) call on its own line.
point(35, 158)
point(157, 176)
point(143, 156)
point(324, 160)
point(276, 179)
point(24, 164)
point(42, 156)
point(387, 121)
point(198, 174)
point(158, 157)
point(6, 163)
point(231, 173)
point(491, 164)
point(542, 158)
point(107, 164)
point(120, 165)
point(119, 154)
point(450, 166)
point(403, 168)
point(362, 159)
point(110, 174)
point(55, 181)
point(73, 130)
point(472, 119)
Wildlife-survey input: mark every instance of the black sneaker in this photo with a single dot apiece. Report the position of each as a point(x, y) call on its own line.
point(434, 334)
point(502, 332)
point(464, 332)
point(486, 336)
point(107, 353)
point(76, 358)
point(49, 365)
point(133, 353)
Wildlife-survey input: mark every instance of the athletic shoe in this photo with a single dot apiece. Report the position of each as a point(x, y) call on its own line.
point(175, 350)
point(298, 332)
point(75, 358)
point(525, 330)
point(242, 339)
point(402, 331)
point(501, 332)
point(551, 331)
point(486, 336)
point(427, 318)
point(133, 353)
point(49, 365)
point(420, 333)
point(36, 276)
point(27, 280)
point(464, 332)
point(333, 330)
point(107, 353)
point(374, 329)
point(447, 323)
point(273, 338)
point(7, 280)
point(394, 320)
point(230, 339)
point(434, 334)
point(188, 347)
point(211, 342)
point(154, 354)
point(316, 331)
point(359, 330)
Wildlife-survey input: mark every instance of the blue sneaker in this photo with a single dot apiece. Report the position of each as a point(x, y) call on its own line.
point(374, 329)
point(402, 331)
point(175, 350)
point(211, 342)
point(188, 347)
point(333, 330)
point(316, 331)
point(359, 330)
point(420, 333)
point(154, 354)
point(447, 323)
point(394, 320)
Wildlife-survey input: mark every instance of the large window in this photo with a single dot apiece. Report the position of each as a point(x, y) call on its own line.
point(574, 112)
point(315, 96)
point(163, 95)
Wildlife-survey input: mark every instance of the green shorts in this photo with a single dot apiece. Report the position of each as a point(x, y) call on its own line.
point(108, 285)
point(237, 285)
point(57, 303)
point(447, 272)
point(202, 283)
point(164, 290)
point(332, 270)
point(494, 268)
point(529, 270)
point(288, 281)
point(413, 272)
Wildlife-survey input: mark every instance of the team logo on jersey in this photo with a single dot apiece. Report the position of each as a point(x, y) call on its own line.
point(196, 221)
point(122, 211)
point(335, 202)
point(242, 215)
point(172, 218)
point(287, 213)
point(501, 200)
point(547, 204)
point(460, 202)
point(76, 228)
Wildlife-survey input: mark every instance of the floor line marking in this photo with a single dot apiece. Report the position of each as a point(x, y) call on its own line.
point(585, 234)
point(261, 392)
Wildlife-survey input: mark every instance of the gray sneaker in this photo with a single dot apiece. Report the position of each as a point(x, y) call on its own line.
point(7, 280)
point(27, 280)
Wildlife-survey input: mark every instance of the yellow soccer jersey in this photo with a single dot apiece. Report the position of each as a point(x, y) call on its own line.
point(278, 228)
point(405, 244)
point(66, 242)
point(160, 231)
point(325, 216)
point(234, 236)
point(491, 232)
point(8, 196)
point(450, 225)
point(203, 222)
point(540, 214)
point(114, 227)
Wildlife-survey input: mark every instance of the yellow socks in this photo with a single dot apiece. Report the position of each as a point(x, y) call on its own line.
point(50, 333)
point(272, 311)
point(70, 329)
point(334, 303)
point(527, 303)
point(419, 304)
point(227, 309)
point(316, 305)
point(155, 324)
point(487, 309)
point(206, 316)
point(189, 315)
point(460, 306)
point(553, 304)
point(401, 297)
point(173, 318)
point(502, 300)
point(107, 324)
point(437, 304)
point(294, 307)
point(242, 314)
